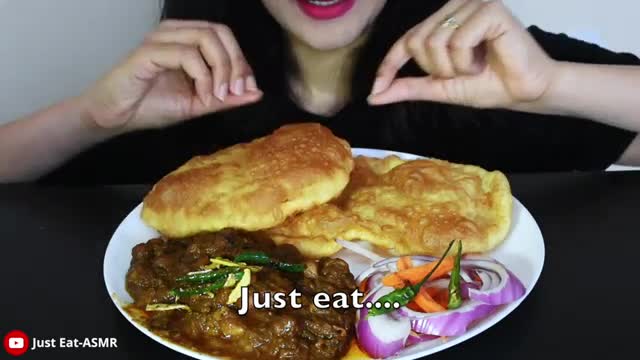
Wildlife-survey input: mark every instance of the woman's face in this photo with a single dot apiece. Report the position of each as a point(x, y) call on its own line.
point(325, 24)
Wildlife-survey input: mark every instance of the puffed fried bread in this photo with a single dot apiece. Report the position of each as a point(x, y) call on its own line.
point(314, 232)
point(424, 204)
point(407, 207)
point(251, 186)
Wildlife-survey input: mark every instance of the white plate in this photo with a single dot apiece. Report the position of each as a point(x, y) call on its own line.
point(522, 253)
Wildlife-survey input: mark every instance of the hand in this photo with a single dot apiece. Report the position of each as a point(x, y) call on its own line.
point(184, 69)
point(485, 58)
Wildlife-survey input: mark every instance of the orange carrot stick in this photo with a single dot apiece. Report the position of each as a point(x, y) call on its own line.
point(404, 263)
point(433, 292)
point(363, 285)
point(426, 302)
point(393, 280)
point(415, 274)
point(413, 306)
point(442, 297)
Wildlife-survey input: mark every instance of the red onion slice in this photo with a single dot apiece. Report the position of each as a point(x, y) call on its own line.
point(360, 249)
point(415, 338)
point(499, 285)
point(448, 323)
point(383, 335)
point(391, 264)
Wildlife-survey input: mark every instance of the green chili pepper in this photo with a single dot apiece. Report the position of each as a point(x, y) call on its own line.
point(255, 258)
point(292, 268)
point(260, 258)
point(210, 276)
point(199, 290)
point(404, 296)
point(455, 293)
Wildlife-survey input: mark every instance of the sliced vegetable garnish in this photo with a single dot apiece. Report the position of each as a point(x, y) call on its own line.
point(499, 285)
point(260, 258)
point(292, 268)
point(209, 276)
point(426, 303)
point(415, 338)
point(212, 280)
point(361, 248)
point(446, 323)
point(199, 290)
point(232, 280)
point(167, 307)
point(220, 262)
point(254, 257)
point(443, 303)
point(455, 293)
point(237, 291)
point(199, 272)
point(393, 280)
point(401, 297)
point(405, 263)
point(415, 274)
point(381, 336)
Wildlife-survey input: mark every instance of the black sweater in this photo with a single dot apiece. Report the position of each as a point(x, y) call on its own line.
point(495, 139)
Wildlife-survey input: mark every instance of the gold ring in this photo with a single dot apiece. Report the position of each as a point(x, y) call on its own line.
point(451, 22)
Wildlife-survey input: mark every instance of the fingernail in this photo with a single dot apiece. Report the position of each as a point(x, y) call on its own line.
point(378, 86)
point(223, 90)
point(238, 87)
point(252, 85)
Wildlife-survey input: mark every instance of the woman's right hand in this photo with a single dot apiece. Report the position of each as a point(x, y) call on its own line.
point(183, 70)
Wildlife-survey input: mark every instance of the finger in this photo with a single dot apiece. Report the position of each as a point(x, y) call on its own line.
point(395, 59)
point(418, 49)
point(449, 60)
point(212, 48)
point(241, 74)
point(489, 22)
point(412, 89)
point(155, 59)
point(400, 53)
point(443, 13)
point(173, 24)
point(430, 51)
point(230, 103)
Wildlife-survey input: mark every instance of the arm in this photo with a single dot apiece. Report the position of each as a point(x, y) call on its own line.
point(477, 54)
point(38, 143)
point(604, 93)
point(183, 70)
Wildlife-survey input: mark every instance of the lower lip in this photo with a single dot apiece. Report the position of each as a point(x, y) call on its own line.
point(318, 12)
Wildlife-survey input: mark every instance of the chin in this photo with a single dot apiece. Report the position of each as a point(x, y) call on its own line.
point(331, 39)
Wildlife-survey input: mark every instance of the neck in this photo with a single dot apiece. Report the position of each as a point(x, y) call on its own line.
point(323, 83)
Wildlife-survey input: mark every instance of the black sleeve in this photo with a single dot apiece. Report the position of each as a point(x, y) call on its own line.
point(127, 159)
point(589, 145)
point(138, 157)
point(564, 48)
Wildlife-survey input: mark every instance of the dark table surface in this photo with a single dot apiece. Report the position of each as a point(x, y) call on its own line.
point(584, 306)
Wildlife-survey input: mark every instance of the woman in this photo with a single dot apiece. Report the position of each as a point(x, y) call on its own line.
point(461, 80)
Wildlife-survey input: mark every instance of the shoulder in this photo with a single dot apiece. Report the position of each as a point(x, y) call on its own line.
point(563, 47)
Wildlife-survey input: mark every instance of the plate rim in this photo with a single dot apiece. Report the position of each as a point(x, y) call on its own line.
point(496, 317)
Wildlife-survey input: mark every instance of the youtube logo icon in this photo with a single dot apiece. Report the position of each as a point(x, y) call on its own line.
point(16, 343)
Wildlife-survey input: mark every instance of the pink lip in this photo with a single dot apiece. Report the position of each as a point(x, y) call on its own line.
point(326, 12)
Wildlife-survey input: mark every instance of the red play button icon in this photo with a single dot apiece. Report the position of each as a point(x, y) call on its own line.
point(16, 343)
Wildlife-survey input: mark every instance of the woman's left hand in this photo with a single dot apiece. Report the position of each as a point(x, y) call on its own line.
point(476, 53)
